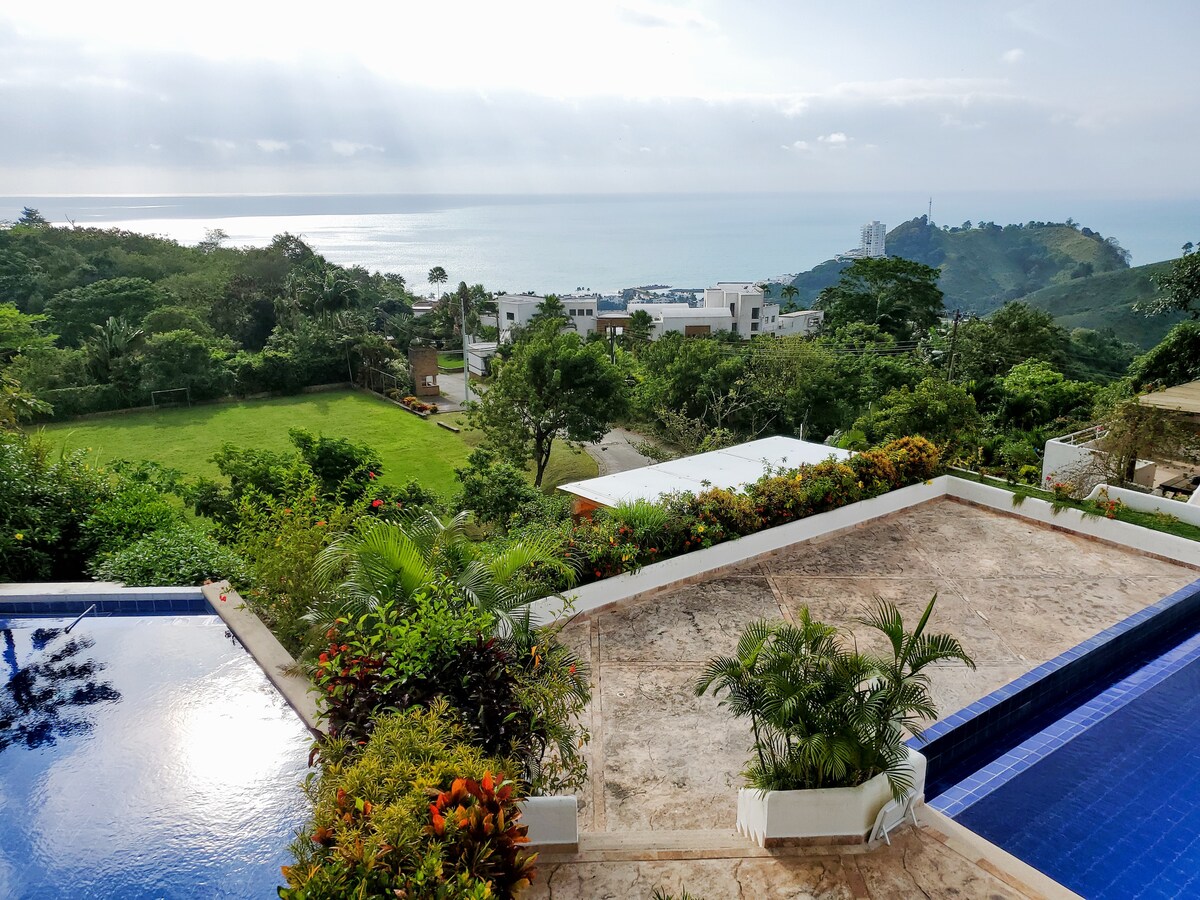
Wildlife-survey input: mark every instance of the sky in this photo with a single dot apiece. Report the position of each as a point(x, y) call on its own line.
point(547, 96)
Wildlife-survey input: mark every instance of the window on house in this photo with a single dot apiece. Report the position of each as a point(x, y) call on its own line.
point(735, 327)
point(754, 326)
point(511, 317)
point(754, 312)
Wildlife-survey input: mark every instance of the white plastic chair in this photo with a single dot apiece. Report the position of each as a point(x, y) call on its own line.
point(888, 818)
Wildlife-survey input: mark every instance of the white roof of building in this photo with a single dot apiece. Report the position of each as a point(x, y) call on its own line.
point(733, 467)
point(520, 298)
point(799, 312)
point(744, 287)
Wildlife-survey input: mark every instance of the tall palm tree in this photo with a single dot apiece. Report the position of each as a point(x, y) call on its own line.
point(109, 342)
point(789, 293)
point(437, 275)
point(394, 561)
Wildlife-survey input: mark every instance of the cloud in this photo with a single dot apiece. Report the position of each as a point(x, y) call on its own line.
point(352, 148)
point(657, 16)
point(834, 138)
point(267, 145)
point(800, 146)
point(1013, 56)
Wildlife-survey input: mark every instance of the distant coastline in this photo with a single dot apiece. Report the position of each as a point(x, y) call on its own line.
point(548, 242)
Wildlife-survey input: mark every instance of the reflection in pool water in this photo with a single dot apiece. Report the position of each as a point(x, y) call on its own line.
point(145, 757)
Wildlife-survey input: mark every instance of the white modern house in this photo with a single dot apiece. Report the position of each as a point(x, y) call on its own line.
point(806, 322)
point(749, 312)
point(872, 242)
point(688, 320)
point(515, 310)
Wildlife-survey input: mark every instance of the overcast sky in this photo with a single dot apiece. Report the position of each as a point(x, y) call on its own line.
point(568, 95)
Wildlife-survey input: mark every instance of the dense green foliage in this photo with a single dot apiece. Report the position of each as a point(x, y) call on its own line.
point(899, 297)
point(825, 714)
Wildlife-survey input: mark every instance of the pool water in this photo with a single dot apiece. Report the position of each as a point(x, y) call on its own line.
point(1112, 811)
point(143, 757)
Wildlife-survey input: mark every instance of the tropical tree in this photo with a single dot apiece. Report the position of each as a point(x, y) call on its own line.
point(1179, 286)
point(550, 310)
point(898, 295)
point(393, 562)
point(32, 218)
point(641, 324)
point(554, 386)
point(789, 293)
point(111, 341)
point(822, 714)
point(19, 332)
point(16, 404)
point(437, 276)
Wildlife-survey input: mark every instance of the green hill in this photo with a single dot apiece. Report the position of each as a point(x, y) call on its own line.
point(985, 265)
point(1106, 301)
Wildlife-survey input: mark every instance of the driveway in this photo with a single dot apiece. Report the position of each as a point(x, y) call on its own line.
point(615, 452)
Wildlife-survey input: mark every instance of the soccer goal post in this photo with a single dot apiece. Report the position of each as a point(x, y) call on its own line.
point(171, 397)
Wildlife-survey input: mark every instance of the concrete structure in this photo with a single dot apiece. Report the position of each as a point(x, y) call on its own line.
point(1183, 398)
point(687, 320)
point(1018, 586)
point(515, 310)
point(806, 322)
point(423, 362)
point(728, 306)
point(1080, 458)
point(732, 468)
point(479, 358)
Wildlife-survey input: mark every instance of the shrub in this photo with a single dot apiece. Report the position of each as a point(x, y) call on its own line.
point(130, 514)
point(44, 498)
point(79, 401)
point(492, 489)
point(180, 555)
point(375, 833)
point(915, 458)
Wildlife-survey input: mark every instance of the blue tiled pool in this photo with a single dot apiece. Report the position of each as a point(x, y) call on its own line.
point(1107, 799)
point(142, 757)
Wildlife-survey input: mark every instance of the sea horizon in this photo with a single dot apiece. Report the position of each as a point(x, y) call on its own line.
point(559, 242)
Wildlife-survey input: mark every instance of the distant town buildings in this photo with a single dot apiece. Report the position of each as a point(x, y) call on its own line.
point(729, 306)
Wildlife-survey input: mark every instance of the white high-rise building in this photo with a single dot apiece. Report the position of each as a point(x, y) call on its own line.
point(874, 234)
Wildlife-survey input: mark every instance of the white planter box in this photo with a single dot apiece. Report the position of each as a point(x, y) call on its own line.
point(824, 815)
point(551, 820)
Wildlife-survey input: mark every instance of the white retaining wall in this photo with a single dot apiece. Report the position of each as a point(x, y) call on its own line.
point(693, 566)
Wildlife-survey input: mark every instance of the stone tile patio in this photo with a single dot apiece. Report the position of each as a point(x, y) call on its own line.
point(1014, 592)
point(663, 761)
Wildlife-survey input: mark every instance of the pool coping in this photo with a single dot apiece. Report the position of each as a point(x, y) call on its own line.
point(279, 665)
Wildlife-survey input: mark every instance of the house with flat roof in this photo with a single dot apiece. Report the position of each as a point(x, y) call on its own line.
point(731, 468)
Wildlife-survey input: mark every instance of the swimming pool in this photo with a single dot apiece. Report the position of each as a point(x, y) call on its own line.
point(143, 757)
point(1107, 799)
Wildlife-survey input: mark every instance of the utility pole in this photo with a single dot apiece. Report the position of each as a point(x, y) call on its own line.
point(953, 341)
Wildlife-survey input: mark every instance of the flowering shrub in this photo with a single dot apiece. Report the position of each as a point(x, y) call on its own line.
point(611, 543)
point(375, 833)
point(419, 406)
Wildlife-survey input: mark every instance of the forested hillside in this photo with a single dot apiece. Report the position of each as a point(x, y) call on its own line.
point(984, 265)
point(1107, 301)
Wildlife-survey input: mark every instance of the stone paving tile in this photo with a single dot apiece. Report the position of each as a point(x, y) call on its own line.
point(672, 760)
point(693, 623)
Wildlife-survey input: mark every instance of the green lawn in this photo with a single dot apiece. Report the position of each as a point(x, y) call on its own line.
point(450, 360)
point(184, 439)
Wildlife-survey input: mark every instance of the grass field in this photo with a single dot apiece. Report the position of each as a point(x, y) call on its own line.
point(184, 439)
point(450, 360)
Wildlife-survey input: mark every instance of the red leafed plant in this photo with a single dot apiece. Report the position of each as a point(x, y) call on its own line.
point(478, 819)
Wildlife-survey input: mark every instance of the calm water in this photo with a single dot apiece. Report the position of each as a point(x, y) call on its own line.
point(604, 243)
point(143, 758)
point(1115, 812)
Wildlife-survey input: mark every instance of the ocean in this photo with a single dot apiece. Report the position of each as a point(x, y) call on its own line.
point(560, 243)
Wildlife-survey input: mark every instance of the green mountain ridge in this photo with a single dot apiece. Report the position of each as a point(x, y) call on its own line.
point(985, 265)
point(1106, 301)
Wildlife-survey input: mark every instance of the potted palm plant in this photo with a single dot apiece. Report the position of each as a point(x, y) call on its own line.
point(829, 722)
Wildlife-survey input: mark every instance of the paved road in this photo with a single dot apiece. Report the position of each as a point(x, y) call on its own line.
point(451, 384)
point(614, 453)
